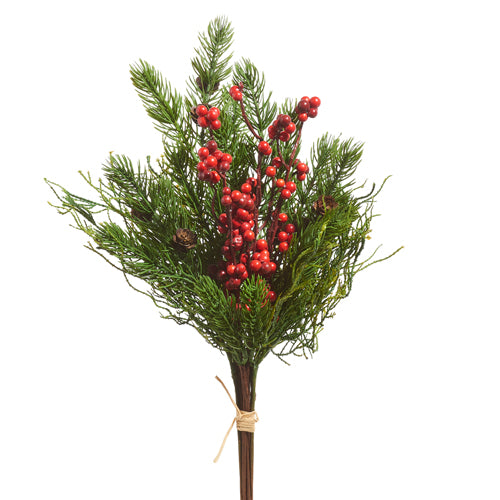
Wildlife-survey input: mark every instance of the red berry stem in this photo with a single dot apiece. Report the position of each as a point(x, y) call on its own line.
point(295, 146)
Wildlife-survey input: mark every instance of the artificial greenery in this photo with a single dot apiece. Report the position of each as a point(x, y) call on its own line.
point(137, 209)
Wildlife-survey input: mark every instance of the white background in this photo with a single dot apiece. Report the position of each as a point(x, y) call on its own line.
point(101, 399)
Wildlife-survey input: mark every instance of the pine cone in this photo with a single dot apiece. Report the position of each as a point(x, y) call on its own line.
point(324, 203)
point(184, 239)
point(204, 86)
point(143, 216)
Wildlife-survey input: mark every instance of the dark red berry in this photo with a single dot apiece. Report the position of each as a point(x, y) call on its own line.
point(212, 146)
point(312, 113)
point(290, 228)
point(303, 106)
point(214, 177)
point(240, 269)
point(284, 136)
point(226, 200)
point(284, 120)
point(277, 162)
point(226, 190)
point(272, 296)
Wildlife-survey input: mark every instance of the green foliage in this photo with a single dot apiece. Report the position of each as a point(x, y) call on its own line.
point(138, 209)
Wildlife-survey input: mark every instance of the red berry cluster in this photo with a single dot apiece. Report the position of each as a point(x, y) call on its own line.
point(282, 128)
point(208, 117)
point(243, 253)
point(235, 93)
point(213, 162)
point(287, 187)
point(307, 108)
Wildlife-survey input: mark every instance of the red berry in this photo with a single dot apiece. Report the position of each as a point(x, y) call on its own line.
point(280, 183)
point(234, 89)
point(218, 154)
point(305, 98)
point(303, 106)
point(240, 269)
point(315, 102)
point(272, 296)
point(243, 215)
point(201, 166)
point(201, 110)
point(236, 195)
point(211, 161)
point(290, 228)
point(230, 269)
point(273, 266)
point(226, 200)
point(277, 162)
point(284, 120)
point(270, 171)
point(282, 236)
point(227, 157)
point(214, 177)
point(285, 193)
point(212, 146)
point(256, 256)
point(250, 204)
point(266, 267)
point(283, 246)
point(264, 255)
point(290, 128)
point(284, 136)
point(224, 166)
point(263, 147)
point(215, 124)
point(246, 188)
point(291, 186)
point(226, 190)
point(213, 114)
point(261, 245)
point(237, 96)
point(237, 242)
point(301, 177)
point(283, 217)
point(312, 113)
point(203, 153)
point(272, 132)
point(302, 117)
point(255, 265)
point(302, 168)
point(248, 235)
point(202, 122)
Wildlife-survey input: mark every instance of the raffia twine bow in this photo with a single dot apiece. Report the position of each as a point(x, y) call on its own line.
point(245, 420)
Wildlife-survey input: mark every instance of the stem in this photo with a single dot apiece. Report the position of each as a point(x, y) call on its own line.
point(244, 377)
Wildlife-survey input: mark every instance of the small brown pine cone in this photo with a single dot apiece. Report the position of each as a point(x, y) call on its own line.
point(324, 203)
point(143, 216)
point(193, 114)
point(184, 239)
point(204, 85)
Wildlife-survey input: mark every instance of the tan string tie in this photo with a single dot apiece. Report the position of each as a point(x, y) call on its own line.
point(245, 420)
